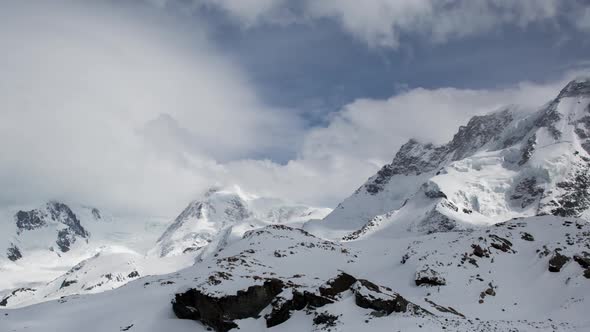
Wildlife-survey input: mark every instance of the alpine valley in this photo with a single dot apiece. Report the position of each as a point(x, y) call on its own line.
point(489, 232)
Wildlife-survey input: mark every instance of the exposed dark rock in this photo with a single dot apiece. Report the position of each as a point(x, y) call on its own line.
point(133, 274)
point(548, 118)
point(219, 313)
point(326, 319)
point(434, 193)
point(501, 243)
point(282, 308)
point(435, 222)
point(576, 197)
point(557, 261)
point(29, 220)
point(127, 328)
point(527, 192)
point(58, 212)
point(479, 131)
point(4, 301)
point(576, 88)
point(67, 283)
point(526, 236)
point(429, 277)
point(61, 212)
point(440, 308)
point(528, 149)
point(583, 259)
point(13, 253)
point(96, 213)
point(587, 273)
point(479, 251)
point(65, 238)
point(380, 179)
point(412, 158)
point(370, 296)
point(337, 285)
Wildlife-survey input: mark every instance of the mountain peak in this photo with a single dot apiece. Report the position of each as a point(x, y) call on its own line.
point(576, 88)
point(496, 167)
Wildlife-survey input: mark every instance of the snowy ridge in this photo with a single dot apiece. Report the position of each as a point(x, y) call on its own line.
point(220, 211)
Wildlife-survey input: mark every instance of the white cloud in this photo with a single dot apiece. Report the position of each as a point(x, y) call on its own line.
point(79, 85)
point(367, 133)
point(120, 111)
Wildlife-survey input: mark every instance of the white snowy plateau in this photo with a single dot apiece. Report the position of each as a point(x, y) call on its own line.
point(489, 232)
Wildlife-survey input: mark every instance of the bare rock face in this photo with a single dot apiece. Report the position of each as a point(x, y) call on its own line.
point(284, 298)
point(219, 313)
point(429, 277)
point(14, 293)
point(383, 300)
point(576, 197)
point(583, 259)
point(282, 308)
point(557, 261)
point(53, 213)
point(337, 285)
point(13, 253)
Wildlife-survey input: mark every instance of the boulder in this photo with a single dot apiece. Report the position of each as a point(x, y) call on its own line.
point(220, 312)
point(557, 261)
point(429, 277)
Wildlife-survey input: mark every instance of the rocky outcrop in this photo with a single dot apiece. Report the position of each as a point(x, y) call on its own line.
point(501, 243)
point(583, 259)
point(284, 298)
point(526, 192)
point(29, 220)
point(220, 312)
point(479, 131)
point(413, 158)
point(381, 299)
point(56, 215)
point(337, 285)
point(557, 261)
point(4, 301)
point(429, 277)
point(576, 194)
point(282, 308)
point(576, 88)
point(13, 253)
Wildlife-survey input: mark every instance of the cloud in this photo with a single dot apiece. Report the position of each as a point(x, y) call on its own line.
point(87, 93)
point(366, 134)
point(127, 110)
point(384, 23)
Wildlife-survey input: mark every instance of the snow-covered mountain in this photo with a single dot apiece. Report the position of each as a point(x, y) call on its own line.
point(499, 166)
point(489, 232)
point(39, 244)
point(229, 211)
point(54, 227)
point(106, 259)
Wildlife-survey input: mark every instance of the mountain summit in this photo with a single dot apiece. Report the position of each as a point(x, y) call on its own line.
point(499, 166)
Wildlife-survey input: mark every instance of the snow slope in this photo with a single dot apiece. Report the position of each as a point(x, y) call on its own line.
point(510, 287)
